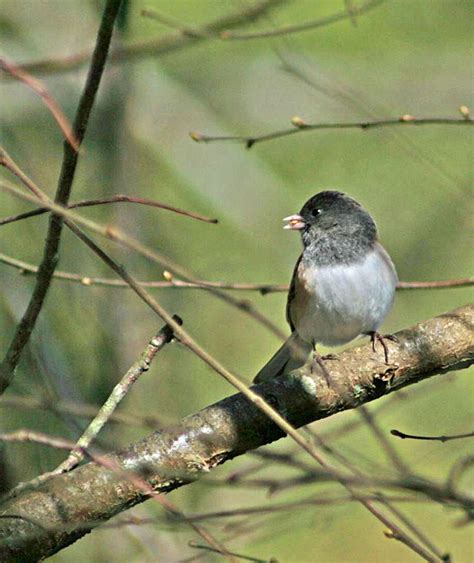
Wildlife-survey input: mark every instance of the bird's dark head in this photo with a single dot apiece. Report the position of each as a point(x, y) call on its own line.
point(332, 213)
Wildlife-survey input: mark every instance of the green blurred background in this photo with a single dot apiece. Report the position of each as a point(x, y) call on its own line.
point(404, 56)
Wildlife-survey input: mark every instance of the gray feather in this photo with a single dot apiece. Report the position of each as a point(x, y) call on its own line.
point(291, 355)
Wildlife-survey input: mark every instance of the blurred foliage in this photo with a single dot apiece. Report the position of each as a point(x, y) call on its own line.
point(402, 57)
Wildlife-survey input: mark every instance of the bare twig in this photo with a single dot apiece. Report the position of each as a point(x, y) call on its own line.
point(164, 336)
point(81, 410)
point(385, 501)
point(173, 23)
point(431, 438)
point(389, 449)
point(306, 26)
point(456, 472)
point(161, 46)
point(112, 199)
point(300, 126)
point(243, 305)
point(237, 555)
point(172, 282)
point(49, 101)
point(72, 219)
point(443, 284)
point(292, 505)
point(214, 545)
point(7, 161)
point(68, 169)
point(352, 11)
point(411, 483)
point(25, 435)
point(350, 98)
point(420, 534)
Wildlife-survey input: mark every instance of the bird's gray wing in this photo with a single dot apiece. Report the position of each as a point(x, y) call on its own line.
point(292, 294)
point(294, 352)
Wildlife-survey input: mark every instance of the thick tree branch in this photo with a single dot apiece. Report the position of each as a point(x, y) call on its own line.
point(43, 521)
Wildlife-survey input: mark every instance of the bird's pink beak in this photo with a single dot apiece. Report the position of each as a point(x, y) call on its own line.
point(294, 222)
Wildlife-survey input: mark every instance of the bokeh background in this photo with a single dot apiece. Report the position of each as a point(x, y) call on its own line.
point(403, 56)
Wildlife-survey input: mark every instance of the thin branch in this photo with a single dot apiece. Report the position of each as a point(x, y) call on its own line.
point(265, 288)
point(306, 26)
point(113, 199)
point(7, 162)
point(40, 89)
point(119, 392)
point(214, 545)
point(415, 529)
point(283, 507)
point(32, 524)
point(161, 46)
point(386, 445)
point(123, 239)
point(431, 438)
point(25, 435)
point(81, 410)
point(412, 483)
point(108, 232)
point(172, 282)
point(299, 126)
point(346, 96)
point(392, 402)
point(237, 555)
point(404, 471)
point(169, 21)
point(352, 11)
point(68, 169)
point(443, 284)
point(243, 305)
point(456, 472)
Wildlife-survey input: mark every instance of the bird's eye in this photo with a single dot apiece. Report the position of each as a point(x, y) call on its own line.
point(315, 212)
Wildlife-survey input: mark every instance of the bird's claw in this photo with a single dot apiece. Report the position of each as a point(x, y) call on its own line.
point(375, 336)
point(330, 357)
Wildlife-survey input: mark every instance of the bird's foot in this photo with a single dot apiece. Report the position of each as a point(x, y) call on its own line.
point(377, 337)
point(391, 337)
point(330, 357)
point(318, 360)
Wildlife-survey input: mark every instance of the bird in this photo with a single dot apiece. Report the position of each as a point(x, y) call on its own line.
point(343, 283)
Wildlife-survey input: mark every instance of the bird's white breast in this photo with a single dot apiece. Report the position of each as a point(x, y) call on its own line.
point(335, 304)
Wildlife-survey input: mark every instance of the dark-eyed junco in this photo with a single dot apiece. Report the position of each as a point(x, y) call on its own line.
point(343, 283)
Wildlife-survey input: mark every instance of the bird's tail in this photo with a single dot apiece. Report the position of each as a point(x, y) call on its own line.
point(292, 355)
